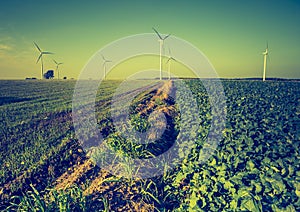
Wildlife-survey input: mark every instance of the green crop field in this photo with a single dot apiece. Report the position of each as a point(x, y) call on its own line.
point(255, 167)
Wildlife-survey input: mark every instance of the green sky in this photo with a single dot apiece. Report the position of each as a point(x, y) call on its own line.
point(232, 34)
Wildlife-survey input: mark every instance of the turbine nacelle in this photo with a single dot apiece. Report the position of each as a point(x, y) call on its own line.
point(161, 38)
point(105, 60)
point(171, 58)
point(57, 63)
point(41, 55)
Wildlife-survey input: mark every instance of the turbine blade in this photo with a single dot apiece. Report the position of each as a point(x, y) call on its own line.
point(38, 48)
point(55, 62)
point(157, 33)
point(39, 58)
point(60, 63)
point(166, 36)
point(103, 57)
point(47, 53)
point(169, 51)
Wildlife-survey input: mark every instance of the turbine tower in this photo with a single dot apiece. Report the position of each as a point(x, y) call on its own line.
point(104, 65)
point(41, 58)
point(57, 66)
point(161, 43)
point(266, 55)
point(170, 58)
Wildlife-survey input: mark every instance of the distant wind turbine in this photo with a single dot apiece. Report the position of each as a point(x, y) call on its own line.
point(57, 67)
point(41, 58)
point(266, 55)
point(104, 65)
point(170, 58)
point(161, 43)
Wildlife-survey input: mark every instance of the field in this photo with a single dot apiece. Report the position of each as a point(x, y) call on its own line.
point(256, 166)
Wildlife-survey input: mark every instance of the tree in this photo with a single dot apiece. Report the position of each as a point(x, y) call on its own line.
point(49, 74)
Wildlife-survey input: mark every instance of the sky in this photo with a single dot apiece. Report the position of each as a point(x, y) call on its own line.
point(232, 34)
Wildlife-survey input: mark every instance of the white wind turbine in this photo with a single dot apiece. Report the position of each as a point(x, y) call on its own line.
point(57, 66)
point(266, 55)
point(41, 58)
point(170, 58)
point(161, 43)
point(104, 65)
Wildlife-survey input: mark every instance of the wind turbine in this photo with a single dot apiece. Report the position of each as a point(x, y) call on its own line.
point(161, 43)
point(41, 58)
point(266, 55)
point(170, 58)
point(104, 65)
point(57, 66)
